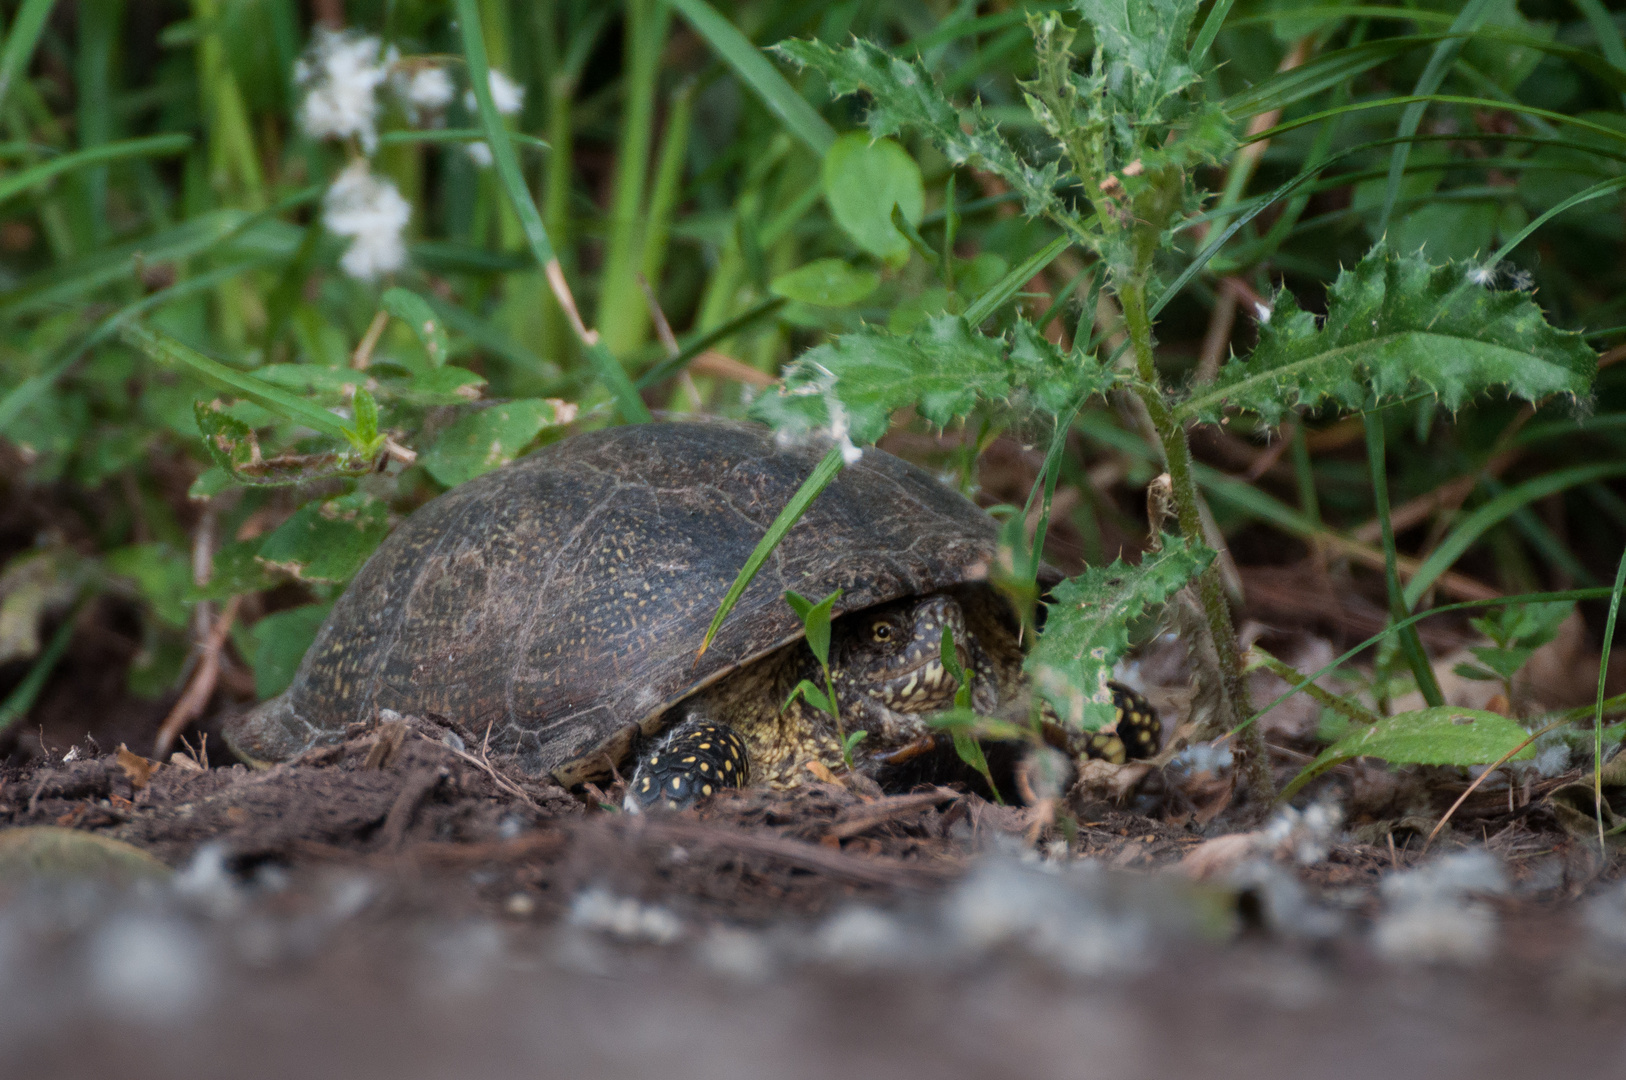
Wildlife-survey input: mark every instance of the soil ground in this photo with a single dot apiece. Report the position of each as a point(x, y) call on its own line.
point(399, 906)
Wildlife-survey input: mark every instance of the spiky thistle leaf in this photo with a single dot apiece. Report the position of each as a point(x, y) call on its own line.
point(905, 95)
point(1087, 627)
point(945, 369)
point(1397, 325)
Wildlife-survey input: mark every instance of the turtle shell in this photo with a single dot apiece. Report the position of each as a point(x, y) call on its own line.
point(559, 601)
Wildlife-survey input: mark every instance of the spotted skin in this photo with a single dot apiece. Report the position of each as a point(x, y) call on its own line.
point(698, 758)
point(1136, 732)
point(886, 665)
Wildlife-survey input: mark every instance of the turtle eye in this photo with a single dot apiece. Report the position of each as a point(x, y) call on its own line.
point(882, 631)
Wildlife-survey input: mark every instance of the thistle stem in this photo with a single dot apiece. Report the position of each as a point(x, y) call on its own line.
point(1210, 586)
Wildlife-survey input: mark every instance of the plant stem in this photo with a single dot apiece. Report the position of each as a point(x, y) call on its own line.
point(1183, 486)
point(1410, 644)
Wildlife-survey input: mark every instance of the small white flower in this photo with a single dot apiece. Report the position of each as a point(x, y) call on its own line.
point(481, 153)
point(341, 73)
point(506, 94)
point(428, 88)
point(371, 210)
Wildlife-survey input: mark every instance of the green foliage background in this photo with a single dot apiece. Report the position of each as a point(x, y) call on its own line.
point(968, 217)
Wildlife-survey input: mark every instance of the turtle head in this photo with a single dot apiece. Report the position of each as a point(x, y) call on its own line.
point(893, 653)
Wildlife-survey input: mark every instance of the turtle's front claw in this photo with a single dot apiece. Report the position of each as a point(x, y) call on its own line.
point(698, 758)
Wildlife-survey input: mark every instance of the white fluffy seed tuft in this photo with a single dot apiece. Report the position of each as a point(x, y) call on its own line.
point(341, 74)
point(506, 94)
point(372, 211)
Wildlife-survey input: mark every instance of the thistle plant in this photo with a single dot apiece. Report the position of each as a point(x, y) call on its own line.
point(1130, 125)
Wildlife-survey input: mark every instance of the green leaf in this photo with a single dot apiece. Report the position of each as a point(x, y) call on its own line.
point(827, 283)
point(235, 448)
point(161, 575)
point(1444, 735)
point(237, 570)
point(1144, 43)
point(819, 479)
point(450, 385)
point(813, 694)
point(327, 541)
point(815, 621)
point(311, 378)
point(864, 179)
point(951, 664)
point(153, 146)
point(1396, 325)
point(164, 349)
point(368, 440)
point(415, 311)
point(969, 751)
point(487, 438)
point(278, 643)
point(944, 370)
point(1087, 627)
point(754, 70)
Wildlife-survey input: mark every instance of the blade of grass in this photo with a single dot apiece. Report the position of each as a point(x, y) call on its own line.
point(623, 316)
point(163, 349)
point(456, 135)
point(816, 482)
point(24, 393)
point(956, 28)
point(21, 700)
point(20, 41)
point(1472, 527)
point(1603, 675)
point(1413, 620)
point(670, 367)
point(1211, 28)
point(98, 35)
point(1411, 644)
point(799, 118)
point(1614, 135)
point(1610, 42)
point(1009, 285)
point(605, 365)
point(484, 334)
point(150, 146)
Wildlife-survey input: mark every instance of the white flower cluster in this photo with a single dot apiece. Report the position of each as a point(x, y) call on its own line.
point(341, 74)
point(373, 211)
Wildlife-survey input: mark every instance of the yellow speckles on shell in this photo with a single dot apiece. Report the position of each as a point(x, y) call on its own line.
point(703, 766)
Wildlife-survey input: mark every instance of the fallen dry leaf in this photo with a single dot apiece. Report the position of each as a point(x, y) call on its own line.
point(138, 769)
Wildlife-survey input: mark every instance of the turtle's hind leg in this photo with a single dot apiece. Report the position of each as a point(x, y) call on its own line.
point(699, 756)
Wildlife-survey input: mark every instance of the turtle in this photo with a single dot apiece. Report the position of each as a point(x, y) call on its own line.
point(553, 608)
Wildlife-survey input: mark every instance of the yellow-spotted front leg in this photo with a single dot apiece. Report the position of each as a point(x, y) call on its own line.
point(1136, 733)
point(697, 758)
